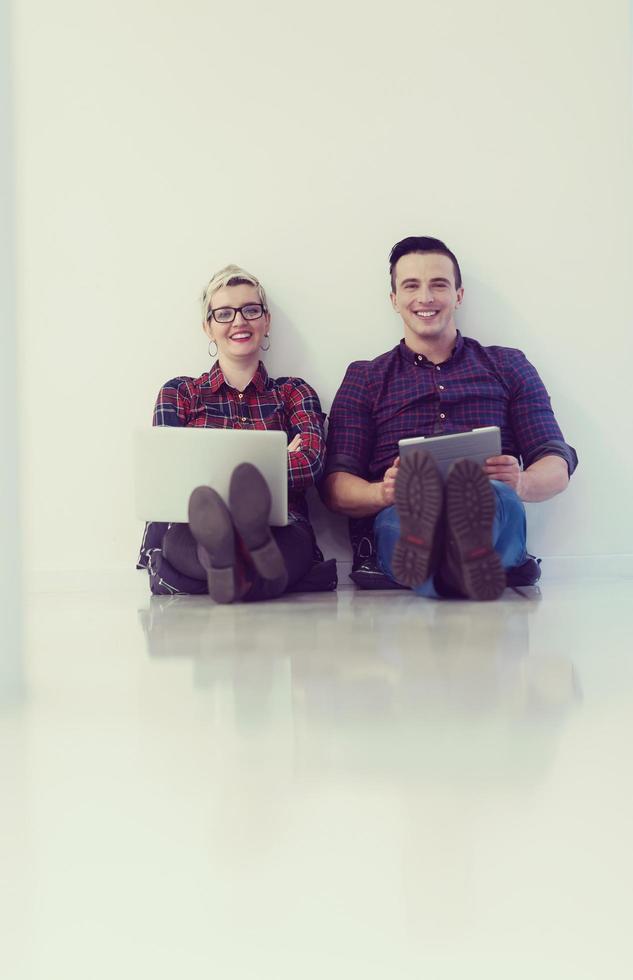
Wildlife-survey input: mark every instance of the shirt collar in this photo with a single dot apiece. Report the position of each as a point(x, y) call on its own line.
point(259, 380)
point(412, 358)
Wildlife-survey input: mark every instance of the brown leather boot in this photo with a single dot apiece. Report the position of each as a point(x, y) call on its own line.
point(419, 501)
point(180, 548)
point(471, 566)
point(212, 528)
point(249, 500)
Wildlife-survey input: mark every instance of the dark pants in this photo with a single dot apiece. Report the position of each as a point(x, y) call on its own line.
point(295, 541)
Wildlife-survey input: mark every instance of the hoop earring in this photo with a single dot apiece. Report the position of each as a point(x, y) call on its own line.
point(215, 353)
point(267, 338)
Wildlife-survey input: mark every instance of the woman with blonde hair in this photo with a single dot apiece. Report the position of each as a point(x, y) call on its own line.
point(231, 552)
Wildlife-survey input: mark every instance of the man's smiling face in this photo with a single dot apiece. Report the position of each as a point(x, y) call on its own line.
point(425, 297)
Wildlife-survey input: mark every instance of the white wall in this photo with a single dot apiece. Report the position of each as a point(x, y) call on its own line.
point(157, 142)
point(12, 679)
point(11, 671)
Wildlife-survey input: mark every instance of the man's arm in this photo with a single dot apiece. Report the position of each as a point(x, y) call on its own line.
point(350, 442)
point(347, 494)
point(543, 479)
point(537, 433)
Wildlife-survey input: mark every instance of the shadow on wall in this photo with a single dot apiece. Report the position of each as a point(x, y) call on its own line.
point(331, 531)
point(289, 351)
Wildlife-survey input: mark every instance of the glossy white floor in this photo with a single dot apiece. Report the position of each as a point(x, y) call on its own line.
point(337, 786)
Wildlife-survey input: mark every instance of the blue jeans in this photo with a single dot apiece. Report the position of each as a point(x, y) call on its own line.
point(508, 535)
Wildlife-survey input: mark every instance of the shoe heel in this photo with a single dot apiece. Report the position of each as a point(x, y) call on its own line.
point(410, 564)
point(485, 579)
point(221, 584)
point(220, 581)
point(268, 561)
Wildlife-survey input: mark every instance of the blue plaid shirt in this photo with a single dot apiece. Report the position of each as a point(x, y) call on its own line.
point(401, 394)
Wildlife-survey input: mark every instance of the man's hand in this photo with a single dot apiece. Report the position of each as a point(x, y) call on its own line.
point(351, 495)
point(506, 469)
point(541, 480)
point(388, 485)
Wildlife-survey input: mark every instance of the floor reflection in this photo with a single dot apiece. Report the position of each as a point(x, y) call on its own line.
point(371, 668)
point(424, 721)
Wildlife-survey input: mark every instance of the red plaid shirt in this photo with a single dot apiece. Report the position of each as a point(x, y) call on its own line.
point(286, 404)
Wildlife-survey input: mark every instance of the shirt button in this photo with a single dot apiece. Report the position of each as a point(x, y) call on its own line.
point(244, 420)
point(419, 357)
point(437, 367)
point(241, 394)
point(441, 387)
point(442, 416)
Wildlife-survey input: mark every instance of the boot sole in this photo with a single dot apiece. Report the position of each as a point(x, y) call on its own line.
point(211, 526)
point(470, 513)
point(418, 499)
point(250, 501)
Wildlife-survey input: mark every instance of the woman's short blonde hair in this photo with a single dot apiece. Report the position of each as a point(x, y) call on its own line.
point(231, 275)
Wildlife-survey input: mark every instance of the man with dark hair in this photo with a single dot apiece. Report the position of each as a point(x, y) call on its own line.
point(420, 243)
point(468, 536)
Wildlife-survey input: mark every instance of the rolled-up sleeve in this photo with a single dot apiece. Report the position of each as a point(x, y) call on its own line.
point(351, 424)
point(304, 418)
point(532, 418)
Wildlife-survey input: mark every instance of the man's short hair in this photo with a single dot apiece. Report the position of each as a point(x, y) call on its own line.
point(231, 275)
point(417, 243)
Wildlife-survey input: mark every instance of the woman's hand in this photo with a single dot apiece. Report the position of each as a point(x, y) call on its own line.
point(295, 444)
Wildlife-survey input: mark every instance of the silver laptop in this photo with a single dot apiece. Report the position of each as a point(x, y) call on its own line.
point(170, 462)
point(477, 444)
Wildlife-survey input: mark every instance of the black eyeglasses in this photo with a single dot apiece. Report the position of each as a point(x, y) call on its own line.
point(226, 314)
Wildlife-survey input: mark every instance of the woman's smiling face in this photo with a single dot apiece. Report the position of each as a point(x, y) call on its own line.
point(242, 337)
